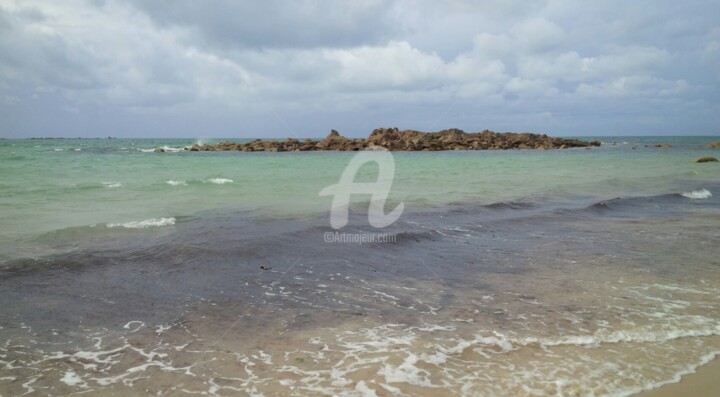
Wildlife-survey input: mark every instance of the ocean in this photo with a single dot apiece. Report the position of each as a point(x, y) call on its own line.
point(509, 273)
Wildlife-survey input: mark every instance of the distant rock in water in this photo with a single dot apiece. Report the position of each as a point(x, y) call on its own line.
point(407, 140)
point(706, 159)
point(714, 145)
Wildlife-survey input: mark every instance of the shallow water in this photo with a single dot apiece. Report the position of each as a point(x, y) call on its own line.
point(512, 273)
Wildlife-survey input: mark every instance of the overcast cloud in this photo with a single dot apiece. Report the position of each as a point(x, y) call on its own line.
point(170, 68)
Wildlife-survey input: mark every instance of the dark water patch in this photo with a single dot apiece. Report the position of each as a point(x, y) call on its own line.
point(657, 206)
point(470, 207)
point(410, 237)
point(15, 158)
point(114, 275)
point(151, 276)
point(620, 203)
point(512, 205)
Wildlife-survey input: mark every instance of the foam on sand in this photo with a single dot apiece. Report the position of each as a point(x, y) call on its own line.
point(428, 358)
point(72, 379)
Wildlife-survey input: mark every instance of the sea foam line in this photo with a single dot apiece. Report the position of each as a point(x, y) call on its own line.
point(166, 149)
point(220, 181)
point(145, 224)
point(176, 183)
point(620, 336)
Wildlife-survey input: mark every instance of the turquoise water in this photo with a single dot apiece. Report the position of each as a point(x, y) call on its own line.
point(49, 185)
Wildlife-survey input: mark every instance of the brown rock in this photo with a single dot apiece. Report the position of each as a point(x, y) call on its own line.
point(334, 141)
point(706, 159)
point(409, 140)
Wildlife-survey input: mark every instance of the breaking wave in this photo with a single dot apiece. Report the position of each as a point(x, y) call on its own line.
point(698, 194)
point(145, 224)
point(220, 181)
point(176, 183)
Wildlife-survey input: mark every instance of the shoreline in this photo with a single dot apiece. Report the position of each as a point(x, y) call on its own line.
point(703, 382)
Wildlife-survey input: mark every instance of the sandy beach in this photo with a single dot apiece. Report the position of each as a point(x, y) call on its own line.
point(705, 382)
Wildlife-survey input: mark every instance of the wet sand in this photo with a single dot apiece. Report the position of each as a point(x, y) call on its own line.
point(705, 382)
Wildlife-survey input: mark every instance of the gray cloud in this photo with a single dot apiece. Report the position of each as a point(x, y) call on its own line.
point(170, 68)
point(278, 23)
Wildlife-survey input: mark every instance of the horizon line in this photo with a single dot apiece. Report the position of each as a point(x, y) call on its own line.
point(347, 136)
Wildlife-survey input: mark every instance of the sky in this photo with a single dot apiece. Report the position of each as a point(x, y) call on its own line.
point(271, 68)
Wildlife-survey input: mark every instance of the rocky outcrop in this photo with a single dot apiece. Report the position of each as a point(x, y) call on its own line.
point(407, 140)
point(714, 145)
point(707, 159)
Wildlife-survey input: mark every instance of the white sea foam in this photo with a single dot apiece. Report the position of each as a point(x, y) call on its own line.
point(107, 359)
point(698, 194)
point(398, 359)
point(166, 148)
point(176, 183)
point(132, 323)
point(161, 329)
point(624, 336)
point(389, 358)
point(145, 224)
point(72, 379)
point(220, 181)
point(112, 185)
